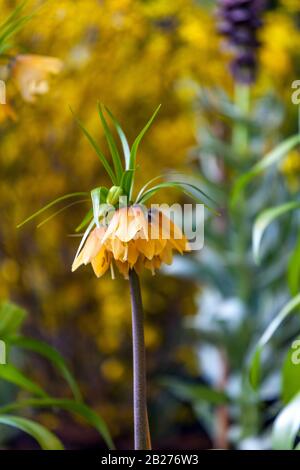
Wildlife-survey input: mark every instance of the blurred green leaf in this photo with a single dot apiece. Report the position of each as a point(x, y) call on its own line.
point(11, 319)
point(12, 25)
point(46, 439)
point(286, 426)
point(275, 156)
point(265, 219)
point(72, 406)
point(194, 392)
point(53, 356)
point(290, 373)
point(255, 364)
point(112, 146)
point(294, 269)
point(11, 374)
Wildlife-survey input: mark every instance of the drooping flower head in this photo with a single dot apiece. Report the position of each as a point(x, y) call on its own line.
point(31, 73)
point(239, 21)
point(135, 238)
point(120, 230)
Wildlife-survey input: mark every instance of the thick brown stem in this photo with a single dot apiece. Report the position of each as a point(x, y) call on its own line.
point(141, 426)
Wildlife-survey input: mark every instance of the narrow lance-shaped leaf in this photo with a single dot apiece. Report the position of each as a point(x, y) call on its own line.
point(79, 409)
point(52, 203)
point(286, 426)
point(52, 216)
point(294, 269)
point(11, 319)
point(264, 219)
point(17, 10)
point(183, 186)
point(112, 146)
point(134, 148)
point(96, 196)
point(123, 139)
point(85, 221)
point(143, 189)
point(126, 181)
point(255, 363)
point(100, 155)
point(290, 371)
point(270, 159)
point(11, 374)
point(90, 214)
point(46, 439)
point(53, 356)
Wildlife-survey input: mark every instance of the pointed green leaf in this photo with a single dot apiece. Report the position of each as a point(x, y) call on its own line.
point(286, 426)
point(123, 139)
point(143, 189)
point(126, 181)
point(100, 155)
point(290, 372)
point(60, 211)
point(192, 392)
point(17, 10)
point(52, 203)
point(85, 221)
point(255, 363)
point(112, 146)
point(68, 405)
point(53, 356)
point(96, 196)
point(11, 319)
point(46, 439)
point(134, 148)
point(186, 188)
point(294, 269)
point(11, 374)
point(265, 219)
point(273, 157)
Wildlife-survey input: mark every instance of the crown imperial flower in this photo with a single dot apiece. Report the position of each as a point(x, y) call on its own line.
point(119, 229)
point(134, 239)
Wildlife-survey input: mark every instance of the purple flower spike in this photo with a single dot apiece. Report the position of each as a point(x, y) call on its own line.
point(239, 21)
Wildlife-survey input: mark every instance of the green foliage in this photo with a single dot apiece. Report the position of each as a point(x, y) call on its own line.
point(272, 158)
point(11, 320)
point(265, 219)
point(13, 24)
point(79, 409)
point(286, 426)
point(290, 372)
point(46, 439)
point(52, 355)
point(241, 320)
point(287, 310)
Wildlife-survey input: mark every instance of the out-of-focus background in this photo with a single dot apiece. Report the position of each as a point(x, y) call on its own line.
point(130, 55)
